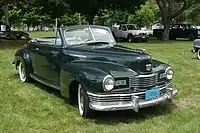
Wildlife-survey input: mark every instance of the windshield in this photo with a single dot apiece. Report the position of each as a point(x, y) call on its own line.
point(87, 35)
point(132, 27)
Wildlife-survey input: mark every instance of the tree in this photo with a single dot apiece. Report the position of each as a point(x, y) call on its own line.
point(146, 15)
point(91, 7)
point(170, 9)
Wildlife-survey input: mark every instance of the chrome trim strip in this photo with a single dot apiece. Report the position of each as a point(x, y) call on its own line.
point(121, 95)
point(45, 83)
point(81, 56)
point(143, 76)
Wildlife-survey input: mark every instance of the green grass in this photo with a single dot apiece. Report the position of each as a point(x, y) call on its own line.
point(41, 34)
point(34, 108)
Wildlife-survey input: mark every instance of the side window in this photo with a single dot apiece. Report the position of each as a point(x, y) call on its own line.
point(120, 27)
point(53, 40)
point(175, 27)
point(124, 28)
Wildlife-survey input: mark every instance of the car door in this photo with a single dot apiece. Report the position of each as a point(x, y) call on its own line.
point(174, 32)
point(124, 31)
point(32, 50)
point(118, 31)
point(48, 60)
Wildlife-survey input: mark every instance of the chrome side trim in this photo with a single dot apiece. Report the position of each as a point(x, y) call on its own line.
point(129, 94)
point(45, 83)
point(143, 76)
point(76, 55)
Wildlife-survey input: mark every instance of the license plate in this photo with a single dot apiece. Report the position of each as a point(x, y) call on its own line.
point(152, 94)
point(143, 36)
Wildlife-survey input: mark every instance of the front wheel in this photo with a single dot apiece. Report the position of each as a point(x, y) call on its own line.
point(198, 54)
point(83, 103)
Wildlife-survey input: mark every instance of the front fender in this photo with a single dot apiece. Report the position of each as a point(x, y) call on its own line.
point(159, 66)
point(90, 78)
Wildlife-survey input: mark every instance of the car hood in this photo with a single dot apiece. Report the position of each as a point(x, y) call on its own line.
point(134, 59)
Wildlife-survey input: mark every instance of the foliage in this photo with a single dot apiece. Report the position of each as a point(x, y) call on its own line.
point(146, 15)
point(25, 13)
point(91, 7)
point(110, 16)
point(69, 19)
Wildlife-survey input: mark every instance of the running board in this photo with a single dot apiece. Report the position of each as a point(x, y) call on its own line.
point(44, 82)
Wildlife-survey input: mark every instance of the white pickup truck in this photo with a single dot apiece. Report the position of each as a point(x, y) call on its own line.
point(130, 32)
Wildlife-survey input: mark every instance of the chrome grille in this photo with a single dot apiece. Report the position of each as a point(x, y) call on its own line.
point(143, 82)
point(110, 98)
point(123, 98)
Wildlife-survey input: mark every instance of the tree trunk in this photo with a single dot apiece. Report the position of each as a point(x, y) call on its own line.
point(6, 15)
point(90, 18)
point(166, 30)
point(28, 26)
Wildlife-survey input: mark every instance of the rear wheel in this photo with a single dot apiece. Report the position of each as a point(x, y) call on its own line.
point(23, 74)
point(191, 37)
point(83, 103)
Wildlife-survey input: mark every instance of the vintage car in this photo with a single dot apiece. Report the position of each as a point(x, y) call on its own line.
point(89, 68)
point(196, 48)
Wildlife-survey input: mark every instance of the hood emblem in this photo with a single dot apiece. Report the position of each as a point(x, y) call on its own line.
point(148, 67)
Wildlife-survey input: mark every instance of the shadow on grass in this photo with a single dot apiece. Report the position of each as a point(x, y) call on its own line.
point(12, 44)
point(111, 118)
point(129, 116)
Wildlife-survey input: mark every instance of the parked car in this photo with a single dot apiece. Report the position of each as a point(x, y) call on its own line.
point(196, 48)
point(179, 31)
point(8, 34)
point(85, 63)
point(129, 32)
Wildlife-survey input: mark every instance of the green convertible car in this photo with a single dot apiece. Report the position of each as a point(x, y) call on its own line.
point(89, 68)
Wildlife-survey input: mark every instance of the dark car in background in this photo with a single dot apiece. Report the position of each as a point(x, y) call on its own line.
point(89, 68)
point(179, 31)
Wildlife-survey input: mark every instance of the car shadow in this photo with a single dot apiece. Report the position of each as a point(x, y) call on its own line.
point(129, 116)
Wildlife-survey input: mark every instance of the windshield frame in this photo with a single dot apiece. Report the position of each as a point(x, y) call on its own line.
point(66, 44)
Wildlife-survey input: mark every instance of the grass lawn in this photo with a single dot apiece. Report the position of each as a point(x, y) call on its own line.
point(34, 108)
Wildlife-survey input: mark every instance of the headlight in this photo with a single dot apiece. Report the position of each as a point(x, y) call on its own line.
point(108, 83)
point(169, 73)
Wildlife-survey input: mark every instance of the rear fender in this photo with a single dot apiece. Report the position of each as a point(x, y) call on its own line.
point(23, 56)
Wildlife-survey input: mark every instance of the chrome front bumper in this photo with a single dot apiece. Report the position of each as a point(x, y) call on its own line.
point(135, 103)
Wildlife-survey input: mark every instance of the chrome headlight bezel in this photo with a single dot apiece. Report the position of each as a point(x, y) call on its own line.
point(108, 83)
point(169, 73)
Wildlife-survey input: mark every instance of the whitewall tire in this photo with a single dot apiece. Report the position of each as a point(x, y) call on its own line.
point(22, 72)
point(198, 54)
point(83, 103)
